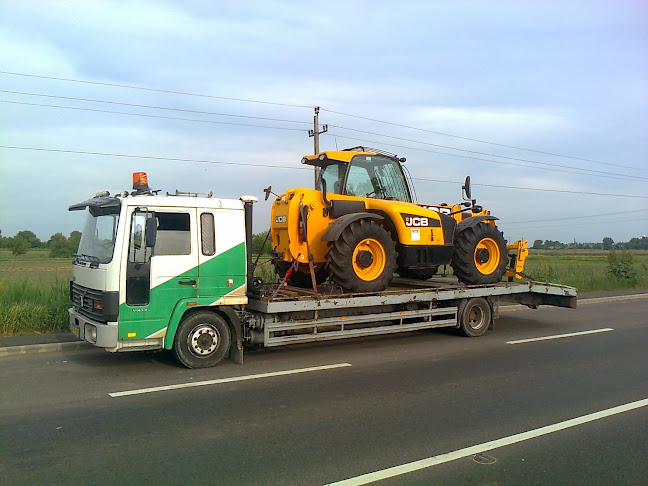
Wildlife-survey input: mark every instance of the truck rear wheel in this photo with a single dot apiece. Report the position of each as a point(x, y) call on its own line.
point(474, 317)
point(202, 340)
point(363, 258)
point(480, 255)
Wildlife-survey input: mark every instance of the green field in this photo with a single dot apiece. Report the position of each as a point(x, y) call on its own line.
point(587, 270)
point(35, 266)
point(34, 294)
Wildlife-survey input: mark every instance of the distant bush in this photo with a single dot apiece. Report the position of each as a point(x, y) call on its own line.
point(18, 245)
point(620, 265)
point(258, 243)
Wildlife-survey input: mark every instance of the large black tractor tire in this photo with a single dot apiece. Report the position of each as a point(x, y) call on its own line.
point(363, 258)
point(480, 255)
point(301, 276)
point(202, 340)
point(418, 273)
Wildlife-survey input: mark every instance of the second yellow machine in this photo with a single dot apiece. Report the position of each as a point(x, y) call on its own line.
point(360, 226)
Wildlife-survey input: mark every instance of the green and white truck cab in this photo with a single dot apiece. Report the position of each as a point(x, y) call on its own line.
point(145, 263)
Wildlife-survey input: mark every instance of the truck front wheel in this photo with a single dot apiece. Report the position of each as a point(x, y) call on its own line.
point(202, 340)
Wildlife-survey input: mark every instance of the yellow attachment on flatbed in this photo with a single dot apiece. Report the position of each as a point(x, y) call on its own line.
point(517, 254)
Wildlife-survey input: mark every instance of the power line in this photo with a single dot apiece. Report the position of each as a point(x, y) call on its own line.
point(133, 156)
point(532, 188)
point(619, 176)
point(484, 153)
point(480, 141)
point(152, 107)
point(128, 86)
point(237, 124)
point(577, 217)
point(150, 116)
point(184, 93)
point(202, 121)
point(150, 157)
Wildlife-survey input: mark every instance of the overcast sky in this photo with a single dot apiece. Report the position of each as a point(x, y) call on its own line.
point(566, 79)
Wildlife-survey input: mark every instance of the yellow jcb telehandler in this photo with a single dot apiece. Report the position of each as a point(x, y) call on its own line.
point(360, 225)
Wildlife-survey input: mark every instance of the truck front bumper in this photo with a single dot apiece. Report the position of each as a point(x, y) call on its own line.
point(96, 333)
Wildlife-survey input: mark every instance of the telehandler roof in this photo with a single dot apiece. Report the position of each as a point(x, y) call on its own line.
point(345, 155)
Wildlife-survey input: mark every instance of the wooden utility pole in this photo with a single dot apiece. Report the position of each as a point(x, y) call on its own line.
point(315, 133)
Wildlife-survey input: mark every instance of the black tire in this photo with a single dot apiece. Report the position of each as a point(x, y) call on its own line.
point(418, 273)
point(375, 257)
point(474, 317)
point(480, 255)
point(202, 340)
point(301, 276)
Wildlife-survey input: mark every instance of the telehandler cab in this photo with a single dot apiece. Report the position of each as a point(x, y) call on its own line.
point(360, 225)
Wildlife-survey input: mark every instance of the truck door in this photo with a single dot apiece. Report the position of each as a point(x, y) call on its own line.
point(222, 254)
point(157, 281)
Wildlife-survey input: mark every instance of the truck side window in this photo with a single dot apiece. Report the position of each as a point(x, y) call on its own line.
point(173, 235)
point(137, 251)
point(207, 234)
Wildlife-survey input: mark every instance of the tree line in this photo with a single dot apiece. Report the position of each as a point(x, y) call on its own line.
point(606, 244)
point(59, 245)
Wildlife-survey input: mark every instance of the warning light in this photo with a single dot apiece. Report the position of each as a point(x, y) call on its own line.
point(140, 182)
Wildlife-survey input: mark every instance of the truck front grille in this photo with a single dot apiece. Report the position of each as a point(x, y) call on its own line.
point(82, 300)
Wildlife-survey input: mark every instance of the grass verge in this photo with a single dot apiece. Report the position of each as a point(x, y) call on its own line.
point(33, 308)
point(34, 292)
point(587, 271)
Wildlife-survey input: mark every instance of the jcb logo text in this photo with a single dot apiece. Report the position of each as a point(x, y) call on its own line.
point(416, 221)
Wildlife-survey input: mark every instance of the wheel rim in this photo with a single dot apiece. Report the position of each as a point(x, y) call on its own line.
point(476, 317)
point(203, 340)
point(369, 259)
point(487, 256)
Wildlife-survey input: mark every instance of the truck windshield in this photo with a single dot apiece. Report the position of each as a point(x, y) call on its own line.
point(97, 243)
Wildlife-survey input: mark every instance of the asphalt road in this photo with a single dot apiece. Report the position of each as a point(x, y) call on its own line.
point(392, 401)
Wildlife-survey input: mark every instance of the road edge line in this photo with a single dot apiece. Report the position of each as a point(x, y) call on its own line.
point(43, 348)
point(486, 446)
point(218, 381)
point(559, 336)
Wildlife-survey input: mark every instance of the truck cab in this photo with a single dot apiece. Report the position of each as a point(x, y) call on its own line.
point(146, 263)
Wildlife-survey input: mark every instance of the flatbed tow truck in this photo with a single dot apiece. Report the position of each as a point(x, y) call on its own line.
point(175, 272)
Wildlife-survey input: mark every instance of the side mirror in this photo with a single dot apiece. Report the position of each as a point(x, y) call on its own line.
point(268, 191)
point(151, 231)
point(466, 188)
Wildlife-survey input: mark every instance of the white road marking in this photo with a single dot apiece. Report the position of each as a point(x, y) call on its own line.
point(560, 336)
point(229, 380)
point(486, 446)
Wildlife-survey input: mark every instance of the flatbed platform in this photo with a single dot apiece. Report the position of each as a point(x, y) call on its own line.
point(273, 299)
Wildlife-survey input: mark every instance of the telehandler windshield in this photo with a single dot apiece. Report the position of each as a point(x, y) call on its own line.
point(373, 176)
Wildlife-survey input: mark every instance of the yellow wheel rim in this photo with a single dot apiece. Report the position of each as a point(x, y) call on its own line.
point(369, 259)
point(487, 256)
